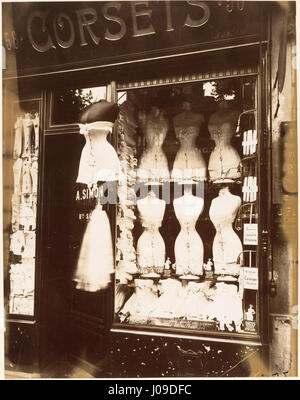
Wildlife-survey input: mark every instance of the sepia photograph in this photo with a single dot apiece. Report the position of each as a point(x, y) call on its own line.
point(149, 192)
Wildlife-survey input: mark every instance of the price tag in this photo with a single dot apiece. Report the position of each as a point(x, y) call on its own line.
point(251, 234)
point(250, 278)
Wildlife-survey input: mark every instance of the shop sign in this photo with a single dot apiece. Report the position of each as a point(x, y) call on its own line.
point(251, 234)
point(250, 278)
point(56, 36)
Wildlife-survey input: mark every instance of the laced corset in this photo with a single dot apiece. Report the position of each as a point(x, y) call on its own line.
point(187, 136)
point(99, 160)
point(153, 164)
point(155, 134)
point(224, 160)
point(221, 133)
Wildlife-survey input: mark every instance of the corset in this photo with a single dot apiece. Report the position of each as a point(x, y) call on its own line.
point(221, 132)
point(189, 163)
point(153, 164)
point(99, 160)
point(187, 136)
point(224, 160)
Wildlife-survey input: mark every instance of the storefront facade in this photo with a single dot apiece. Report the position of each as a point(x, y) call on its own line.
point(203, 267)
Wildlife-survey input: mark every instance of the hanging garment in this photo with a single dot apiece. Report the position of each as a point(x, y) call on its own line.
point(27, 216)
point(29, 250)
point(26, 178)
point(27, 131)
point(34, 176)
point(15, 216)
point(17, 170)
point(17, 243)
point(18, 138)
point(95, 262)
point(36, 126)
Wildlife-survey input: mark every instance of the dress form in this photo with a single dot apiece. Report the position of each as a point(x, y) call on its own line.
point(99, 160)
point(151, 250)
point(224, 160)
point(188, 244)
point(153, 164)
point(226, 245)
point(189, 162)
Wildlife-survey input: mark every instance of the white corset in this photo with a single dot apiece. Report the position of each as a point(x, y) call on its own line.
point(153, 164)
point(227, 246)
point(189, 163)
point(99, 160)
point(188, 244)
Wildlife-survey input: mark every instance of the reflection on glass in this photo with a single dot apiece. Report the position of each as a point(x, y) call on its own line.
point(67, 103)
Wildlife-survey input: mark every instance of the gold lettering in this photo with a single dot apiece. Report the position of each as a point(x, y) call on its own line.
point(114, 36)
point(83, 21)
point(169, 17)
point(38, 46)
point(198, 22)
point(59, 20)
point(134, 14)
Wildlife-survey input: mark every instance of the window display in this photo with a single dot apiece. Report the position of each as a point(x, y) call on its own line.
point(185, 247)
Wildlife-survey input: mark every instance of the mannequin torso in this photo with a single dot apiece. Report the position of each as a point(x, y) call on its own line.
point(188, 244)
point(189, 162)
point(226, 245)
point(224, 159)
point(153, 164)
point(151, 247)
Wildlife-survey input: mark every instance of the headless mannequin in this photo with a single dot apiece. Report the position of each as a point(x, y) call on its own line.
point(153, 164)
point(224, 160)
point(151, 251)
point(188, 244)
point(226, 245)
point(189, 162)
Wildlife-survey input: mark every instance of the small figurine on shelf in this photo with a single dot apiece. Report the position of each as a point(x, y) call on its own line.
point(167, 270)
point(250, 313)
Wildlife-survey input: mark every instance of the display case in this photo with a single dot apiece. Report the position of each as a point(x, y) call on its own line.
point(188, 214)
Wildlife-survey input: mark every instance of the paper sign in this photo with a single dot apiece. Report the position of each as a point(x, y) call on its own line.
point(251, 234)
point(250, 278)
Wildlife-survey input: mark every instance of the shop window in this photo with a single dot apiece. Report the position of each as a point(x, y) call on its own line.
point(187, 232)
